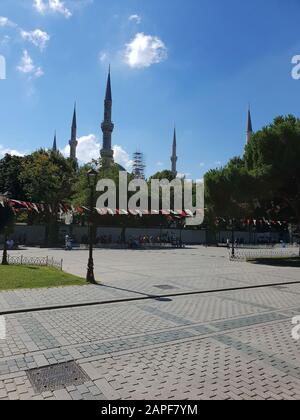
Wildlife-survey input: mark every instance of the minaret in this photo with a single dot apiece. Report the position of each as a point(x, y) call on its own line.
point(54, 147)
point(73, 142)
point(174, 157)
point(249, 127)
point(107, 154)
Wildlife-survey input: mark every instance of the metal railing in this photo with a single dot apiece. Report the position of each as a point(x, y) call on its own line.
point(35, 261)
point(246, 253)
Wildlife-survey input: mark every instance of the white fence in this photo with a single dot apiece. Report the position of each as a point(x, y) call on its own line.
point(35, 261)
point(251, 253)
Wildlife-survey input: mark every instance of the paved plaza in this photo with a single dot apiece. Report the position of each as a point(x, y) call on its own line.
point(170, 324)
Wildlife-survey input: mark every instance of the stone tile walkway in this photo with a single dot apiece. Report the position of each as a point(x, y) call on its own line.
point(224, 345)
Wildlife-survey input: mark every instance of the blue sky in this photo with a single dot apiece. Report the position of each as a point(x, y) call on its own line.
point(203, 62)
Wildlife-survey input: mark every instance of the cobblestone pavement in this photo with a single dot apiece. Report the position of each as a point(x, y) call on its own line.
point(136, 274)
point(223, 345)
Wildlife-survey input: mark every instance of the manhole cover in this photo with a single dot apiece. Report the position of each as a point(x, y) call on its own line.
point(165, 287)
point(56, 377)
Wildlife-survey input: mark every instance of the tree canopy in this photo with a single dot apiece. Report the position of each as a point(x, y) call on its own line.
point(273, 157)
point(47, 177)
point(10, 169)
point(265, 182)
point(7, 219)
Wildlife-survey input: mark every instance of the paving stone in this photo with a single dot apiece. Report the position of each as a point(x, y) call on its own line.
point(225, 345)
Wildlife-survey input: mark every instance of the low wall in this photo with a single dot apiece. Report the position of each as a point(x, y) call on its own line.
point(28, 235)
point(35, 235)
point(78, 233)
point(251, 237)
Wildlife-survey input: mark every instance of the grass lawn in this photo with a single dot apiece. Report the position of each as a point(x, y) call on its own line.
point(27, 277)
point(277, 262)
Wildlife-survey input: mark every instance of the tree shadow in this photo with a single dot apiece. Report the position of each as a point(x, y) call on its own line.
point(278, 262)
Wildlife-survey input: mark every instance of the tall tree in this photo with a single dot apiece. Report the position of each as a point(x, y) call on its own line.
point(6, 227)
point(10, 167)
point(273, 158)
point(47, 177)
point(230, 191)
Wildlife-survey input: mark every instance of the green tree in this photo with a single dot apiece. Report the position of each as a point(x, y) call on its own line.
point(6, 227)
point(230, 194)
point(81, 194)
point(10, 167)
point(47, 177)
point(163, 175)
point(230, 191)
point(81, 191)
point(273, 158)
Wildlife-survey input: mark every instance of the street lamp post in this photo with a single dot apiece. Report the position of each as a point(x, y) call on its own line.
point(92, 181)
point(181, 229)
point(5, 233)
point(5, 256)
point(232, 241)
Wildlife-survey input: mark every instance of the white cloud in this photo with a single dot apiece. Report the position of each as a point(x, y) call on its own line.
point(27, 66)
point(5, 151)
point(4, 21)
point(89, 148)
point(122, 158)
point(186, 176)
point(54, 6)
point(40, 6)
point(135, 18)
point(103, 56)
point(145, 50)
point(5, 40)
point(160, 164)
point(59, 7)
point(200, 181)
point(38, 38)
point(202, 164)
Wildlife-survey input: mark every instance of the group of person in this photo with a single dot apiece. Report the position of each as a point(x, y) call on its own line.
point(10, 243)
point(154, 240)
point(68, 243)
point(132, 242)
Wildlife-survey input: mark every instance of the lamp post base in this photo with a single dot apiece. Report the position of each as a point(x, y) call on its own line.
point(5, 256)
point(90, 277)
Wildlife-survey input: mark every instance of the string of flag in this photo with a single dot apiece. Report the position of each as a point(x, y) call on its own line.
point(254, 222)
point(62, 208)
point(17, 206)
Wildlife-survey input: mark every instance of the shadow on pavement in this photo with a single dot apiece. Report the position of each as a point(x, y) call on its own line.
point(155, 297)
point(278, 262)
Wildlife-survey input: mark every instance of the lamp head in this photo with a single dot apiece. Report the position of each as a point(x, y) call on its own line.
point(92, 176)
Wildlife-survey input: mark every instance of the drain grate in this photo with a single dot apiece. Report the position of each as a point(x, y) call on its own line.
point(166, 287)
point(52, 378)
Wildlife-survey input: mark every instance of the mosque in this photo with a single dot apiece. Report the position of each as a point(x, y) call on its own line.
point(107, 126)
